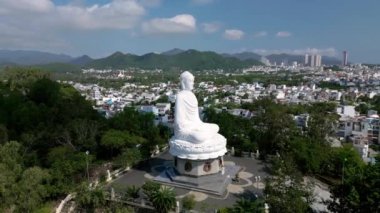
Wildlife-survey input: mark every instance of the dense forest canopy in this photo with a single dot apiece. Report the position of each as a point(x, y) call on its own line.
point(46, 128)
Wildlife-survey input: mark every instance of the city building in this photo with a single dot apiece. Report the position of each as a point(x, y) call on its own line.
point(318, 60)
point(313, 60)
point(345, 58)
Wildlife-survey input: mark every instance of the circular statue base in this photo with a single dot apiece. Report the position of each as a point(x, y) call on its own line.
point(198, 167)
point(198, 159)
point(210, 149)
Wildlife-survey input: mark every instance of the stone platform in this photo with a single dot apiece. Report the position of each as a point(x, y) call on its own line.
point(215, 184)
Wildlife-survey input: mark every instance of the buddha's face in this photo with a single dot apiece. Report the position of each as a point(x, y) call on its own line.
point(188, 84)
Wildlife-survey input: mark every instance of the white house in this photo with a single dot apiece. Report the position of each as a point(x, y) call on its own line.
point(162, 108)
point(346, 110)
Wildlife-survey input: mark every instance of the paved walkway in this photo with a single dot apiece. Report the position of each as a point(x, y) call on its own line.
point(247, 187)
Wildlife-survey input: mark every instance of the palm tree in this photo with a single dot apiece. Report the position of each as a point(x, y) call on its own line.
point(89, 199)
point(244, 205)
point(132, 192)
point(164, 199)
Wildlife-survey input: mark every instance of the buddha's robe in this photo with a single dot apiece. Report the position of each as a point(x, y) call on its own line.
point(188, 125)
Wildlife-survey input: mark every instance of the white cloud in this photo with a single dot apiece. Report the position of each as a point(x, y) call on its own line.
point(183, 23)
point(35, 6)
point(15, 38)
point(211, 27)
point(43, 14)
point(283, 34)
point(201, 2)
point(150, 3)
point(233, 34)
point(260, 34)
point(43, 25)
point(118, 14)
point(323, 51)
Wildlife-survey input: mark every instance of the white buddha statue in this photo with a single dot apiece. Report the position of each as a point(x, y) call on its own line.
point(188, 125)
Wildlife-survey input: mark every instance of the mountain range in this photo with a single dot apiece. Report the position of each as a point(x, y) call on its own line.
point(187, 59)
point(244, 56)
point(30, 57)
point(174, 58)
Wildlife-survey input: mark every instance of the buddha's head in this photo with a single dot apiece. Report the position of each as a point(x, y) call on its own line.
point(187, 81)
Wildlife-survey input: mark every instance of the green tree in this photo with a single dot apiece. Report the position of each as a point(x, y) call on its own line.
point(22, 78)
point(340, 157)
point(45, 91)
point(375, 103)
point(285, 191)
point(164, 199)
point(129, 157)
point(128, 119)
point(115, 140)
point(275, 128)
point(368, 186)
point(359, 189)
point(11, 169)
point(163, 99)
point(32, 189)
point(65, 164)
point(310, 155)
point(84, 133)
point(141, 125)
point(22, 190)
point(362, 108)
point(244, 205)
point(188, 202)
point(322, 124)
point(3, 134)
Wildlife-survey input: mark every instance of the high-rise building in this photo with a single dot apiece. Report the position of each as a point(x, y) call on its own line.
point(345, 58)
point(312, 60)
point(318, 60)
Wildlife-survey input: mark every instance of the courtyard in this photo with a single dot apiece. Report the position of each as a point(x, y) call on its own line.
point(250, 184)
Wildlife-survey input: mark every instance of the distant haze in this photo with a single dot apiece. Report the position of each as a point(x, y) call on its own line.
point(186, 59)
point(99, 28)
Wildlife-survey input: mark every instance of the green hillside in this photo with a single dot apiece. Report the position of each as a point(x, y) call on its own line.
point(52, 67)
point(190, 60)
point(59, 67)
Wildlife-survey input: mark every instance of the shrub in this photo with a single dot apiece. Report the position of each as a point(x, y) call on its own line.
point(103, 177)
point(188, 202)
point(150, 188)
point(164, 199)
point(132, 192)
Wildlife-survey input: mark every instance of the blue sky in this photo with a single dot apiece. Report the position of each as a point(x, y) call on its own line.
point(101, 27)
